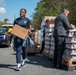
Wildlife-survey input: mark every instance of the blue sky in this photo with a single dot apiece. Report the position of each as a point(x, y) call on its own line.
point(10, 8)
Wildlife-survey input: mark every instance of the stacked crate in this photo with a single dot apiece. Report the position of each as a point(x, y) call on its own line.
point(36, 37)
point(47, 42)
point(39, 34)
point(69, 57)
point(48, 49)
point(52, 47)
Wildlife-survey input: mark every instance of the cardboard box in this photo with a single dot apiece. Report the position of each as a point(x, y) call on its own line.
point(34, 36)
point(31, 50)
point(51, 19)
point(20, 32)
point(70, 52)
point(38, 49)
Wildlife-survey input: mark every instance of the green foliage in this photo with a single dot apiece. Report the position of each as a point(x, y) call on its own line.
point(71, 4)
point(5, 20)
point(1, 23)
point(53, 8)
point(46, 8)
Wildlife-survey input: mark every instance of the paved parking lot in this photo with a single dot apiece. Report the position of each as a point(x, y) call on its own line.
point(35, 65)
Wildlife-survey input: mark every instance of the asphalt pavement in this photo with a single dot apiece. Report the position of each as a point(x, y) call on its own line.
point(35, 65)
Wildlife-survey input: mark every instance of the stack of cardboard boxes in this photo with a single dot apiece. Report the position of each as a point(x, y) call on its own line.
point(36, 37)
point(70, 46)
point(50, 18)
point(49, 42)
point(52, 48)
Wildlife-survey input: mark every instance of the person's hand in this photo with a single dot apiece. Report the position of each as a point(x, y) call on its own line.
point(29, 31)
point(73, 26)
point(12, 40)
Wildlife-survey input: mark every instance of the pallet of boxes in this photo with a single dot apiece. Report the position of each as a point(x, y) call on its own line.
point(49, 43)
point(52, 46)
point(36, 39)
point(69, 57)
point(49, 39)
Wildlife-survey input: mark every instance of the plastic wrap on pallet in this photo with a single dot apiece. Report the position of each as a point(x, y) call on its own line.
point(36, 33)
point(70, 58)
point(69, 52)
point(70, 39)
point(38, 37)
point(52, 47)
point(48, 34)
point(52, 38)
point(52, 43)
point(70, 46)
point(49, 30)
point(72, 33)
point(51, 52)
point(51, 34)
point(46, 51)
point(47, 38)
point(47, 47)
point(47, 42)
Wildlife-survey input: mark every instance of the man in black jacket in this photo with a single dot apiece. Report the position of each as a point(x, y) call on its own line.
point(62, 25)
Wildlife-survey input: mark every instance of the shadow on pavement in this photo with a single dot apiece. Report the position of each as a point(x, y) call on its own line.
point(7, 66)
point(3, 46)
point(39, 60)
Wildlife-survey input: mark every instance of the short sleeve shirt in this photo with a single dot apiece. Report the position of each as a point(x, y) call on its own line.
point(23, 22)
point(44, 29)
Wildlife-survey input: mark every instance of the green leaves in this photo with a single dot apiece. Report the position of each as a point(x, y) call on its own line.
point(53, 8)
point(71, 4)
point(1, 23)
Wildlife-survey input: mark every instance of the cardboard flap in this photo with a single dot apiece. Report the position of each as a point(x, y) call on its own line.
point(20, 32)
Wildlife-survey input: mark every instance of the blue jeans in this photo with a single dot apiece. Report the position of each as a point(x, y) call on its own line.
point(21, 50)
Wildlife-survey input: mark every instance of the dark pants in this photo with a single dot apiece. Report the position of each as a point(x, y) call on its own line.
point(21, 51)
point(59, 50)
point(42, 48)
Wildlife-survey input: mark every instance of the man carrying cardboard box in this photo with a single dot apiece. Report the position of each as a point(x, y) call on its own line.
point(20, 44)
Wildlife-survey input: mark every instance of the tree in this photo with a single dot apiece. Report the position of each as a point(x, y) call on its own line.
point(53, 8)
point(71, 4)
point(5, 20)
point(1, 23)
point(46, 8)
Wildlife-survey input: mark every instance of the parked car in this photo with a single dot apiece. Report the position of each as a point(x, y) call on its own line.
point(5, 38)
point(8, 25)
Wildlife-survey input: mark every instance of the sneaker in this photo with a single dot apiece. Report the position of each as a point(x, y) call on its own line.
point(17, 69)
point(23, 64)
